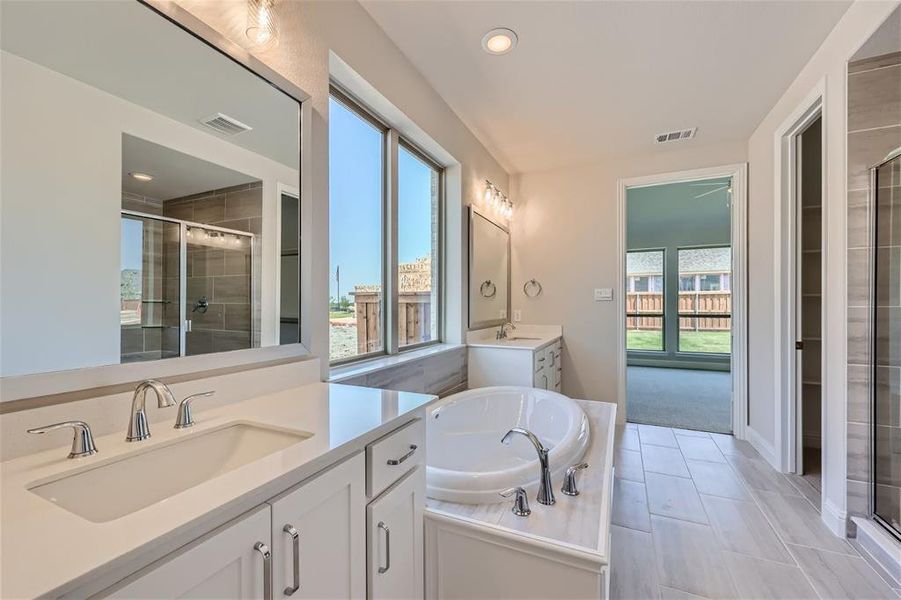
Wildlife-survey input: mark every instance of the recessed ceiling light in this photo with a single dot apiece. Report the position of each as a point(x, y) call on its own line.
point(499, 41)
point(141, 176)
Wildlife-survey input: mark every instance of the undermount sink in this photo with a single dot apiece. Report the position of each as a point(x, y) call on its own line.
point(518, 338)
point(135, 481)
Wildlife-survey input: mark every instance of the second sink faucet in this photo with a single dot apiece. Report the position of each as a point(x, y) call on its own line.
point(138, 429)
point(545, 488)
point(502, 332)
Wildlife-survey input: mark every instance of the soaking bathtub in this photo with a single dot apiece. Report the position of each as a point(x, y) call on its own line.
point(466, 460)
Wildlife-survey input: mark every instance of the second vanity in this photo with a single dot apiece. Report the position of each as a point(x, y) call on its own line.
point(529, 355)
point(312, 492)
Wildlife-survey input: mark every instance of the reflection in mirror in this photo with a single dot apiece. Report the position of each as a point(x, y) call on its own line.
point(289, 316)
point(489, 272)
point(143, 159)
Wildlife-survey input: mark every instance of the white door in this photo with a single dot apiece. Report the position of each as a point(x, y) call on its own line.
point(227, 563)
point(394, 522)
point(319, 535)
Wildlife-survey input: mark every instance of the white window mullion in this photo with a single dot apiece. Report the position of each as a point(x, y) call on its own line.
point(391, 260)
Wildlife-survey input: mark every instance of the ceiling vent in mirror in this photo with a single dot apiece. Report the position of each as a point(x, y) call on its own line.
point(675, 136)
point(225, 124)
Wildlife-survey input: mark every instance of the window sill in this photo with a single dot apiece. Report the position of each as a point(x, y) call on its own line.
point(364, 367)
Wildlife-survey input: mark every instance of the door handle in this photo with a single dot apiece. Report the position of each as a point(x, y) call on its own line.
point(799, 345)
point(295, 542)
point(387, 566)
point(264, 551)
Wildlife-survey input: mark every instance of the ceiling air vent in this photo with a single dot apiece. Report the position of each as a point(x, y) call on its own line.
point(225, 124)
point(675, 136)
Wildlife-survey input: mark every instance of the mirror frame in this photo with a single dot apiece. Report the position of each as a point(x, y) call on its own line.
point(471, 294)
point(19, 392)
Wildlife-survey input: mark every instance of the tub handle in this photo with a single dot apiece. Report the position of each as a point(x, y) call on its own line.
point(396, 461)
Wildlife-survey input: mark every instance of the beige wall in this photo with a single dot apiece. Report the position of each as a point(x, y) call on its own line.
point(310, 31)
point(767, 301)
point(564, 235)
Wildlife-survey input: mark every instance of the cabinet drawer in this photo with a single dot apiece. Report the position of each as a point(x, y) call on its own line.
point(389, 458)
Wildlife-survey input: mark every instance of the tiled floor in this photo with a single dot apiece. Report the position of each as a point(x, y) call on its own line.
point(698, 515)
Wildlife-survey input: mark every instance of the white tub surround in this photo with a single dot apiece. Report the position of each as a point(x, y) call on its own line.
point(530, 356)
point(467, 462)
point(49, 551)
point(485, 551)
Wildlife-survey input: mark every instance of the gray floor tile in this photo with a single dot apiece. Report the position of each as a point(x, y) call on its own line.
point(627, 465)
point(765, 580)
point(674, 497)
point(627, 438)
point(808, 491)
point(797, 522)
point(660, 459)
point(632, 572)
point(691, 433)
point(717, 479)
point(668, 593)
point(730, 446)
point(688, 559)
point(741, 527)
point(840, 576)
point(696, 448)
point(756, 473)
point(630, 505)
point(658, 436)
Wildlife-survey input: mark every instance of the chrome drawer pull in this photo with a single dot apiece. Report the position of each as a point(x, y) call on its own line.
point(396, 461)
point(295, 541)
point(264, 551)
point(387, 566)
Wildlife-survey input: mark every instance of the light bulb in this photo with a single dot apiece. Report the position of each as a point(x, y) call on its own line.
point(487, 194)
point(262, 27)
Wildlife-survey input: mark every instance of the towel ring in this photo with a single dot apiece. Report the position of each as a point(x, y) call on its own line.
point(531, 288)
point(488, 289)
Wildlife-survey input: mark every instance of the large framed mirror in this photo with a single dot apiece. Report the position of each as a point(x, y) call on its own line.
point(150, 188)
point(489, 271)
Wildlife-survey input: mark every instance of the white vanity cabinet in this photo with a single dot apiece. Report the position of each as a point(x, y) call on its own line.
point(223, 564)
point(538, 367)
point(318, 535)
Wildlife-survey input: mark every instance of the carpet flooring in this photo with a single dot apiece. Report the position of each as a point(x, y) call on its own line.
point(700, 400)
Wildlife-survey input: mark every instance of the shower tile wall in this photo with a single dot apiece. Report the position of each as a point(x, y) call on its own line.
point(874, 129)
point(222, 275)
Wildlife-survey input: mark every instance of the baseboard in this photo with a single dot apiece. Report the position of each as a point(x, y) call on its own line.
point(764, 448)
point(835, 518)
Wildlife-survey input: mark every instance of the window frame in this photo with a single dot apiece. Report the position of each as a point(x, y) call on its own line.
point(680, 315)
point(393, 141)
point(661, 315)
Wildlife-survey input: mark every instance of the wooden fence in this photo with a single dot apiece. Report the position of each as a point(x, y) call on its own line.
point(689, 302)
point(414, 316)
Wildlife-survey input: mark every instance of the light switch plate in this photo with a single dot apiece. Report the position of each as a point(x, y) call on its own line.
point(603, 294)
point(517, 315)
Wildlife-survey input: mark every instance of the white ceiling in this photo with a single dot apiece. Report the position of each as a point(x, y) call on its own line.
point(594, 80)
point(885, 40)
point(129, 51)
point(175, 174)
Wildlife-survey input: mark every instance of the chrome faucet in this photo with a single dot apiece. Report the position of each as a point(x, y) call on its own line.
point(138, 429)
point(545, 488)
point(502, 332)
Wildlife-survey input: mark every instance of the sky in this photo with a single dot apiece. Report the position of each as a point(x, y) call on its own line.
point(355, 202)
point(132, 243)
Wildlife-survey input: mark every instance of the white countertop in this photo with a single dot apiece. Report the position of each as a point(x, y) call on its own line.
point(524, 337)
point(46, 550)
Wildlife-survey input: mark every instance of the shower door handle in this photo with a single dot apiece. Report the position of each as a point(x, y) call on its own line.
point(187, 325)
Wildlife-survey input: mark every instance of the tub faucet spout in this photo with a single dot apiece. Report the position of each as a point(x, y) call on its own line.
point(545, 488)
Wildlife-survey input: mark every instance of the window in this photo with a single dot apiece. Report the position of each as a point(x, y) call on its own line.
point(644, 300)
point(365, 228)
point(705, 300)
point(356, 245)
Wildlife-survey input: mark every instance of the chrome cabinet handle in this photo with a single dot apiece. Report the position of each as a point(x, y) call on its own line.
point(387, 566)
point(396, 461)
point(82, 440)
point(264, 551)
point(295, 541)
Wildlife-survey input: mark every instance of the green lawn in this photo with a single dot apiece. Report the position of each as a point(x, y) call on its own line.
point(689, 341)
point(339, 314)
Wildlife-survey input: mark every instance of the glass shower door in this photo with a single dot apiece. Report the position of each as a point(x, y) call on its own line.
point(219, 307)
point(886, 435)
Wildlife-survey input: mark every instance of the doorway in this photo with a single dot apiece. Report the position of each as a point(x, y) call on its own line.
point(808, 261)
point(682, 310)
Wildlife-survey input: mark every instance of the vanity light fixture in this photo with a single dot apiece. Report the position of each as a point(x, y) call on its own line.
point(141, 176)
point(262, 22)
point(497, 201)
point(499, 40)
